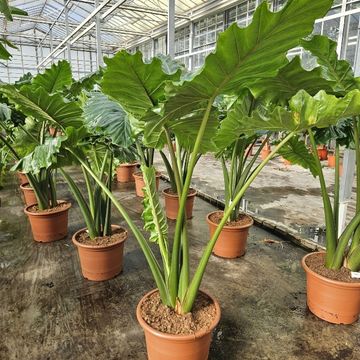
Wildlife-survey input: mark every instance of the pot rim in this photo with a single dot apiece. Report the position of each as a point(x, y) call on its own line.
point(26, 187)
point(234, 228)
point(193, 193)
point(321, 277)
point(136, 163)
point(99, 247)
point(30, 213)
point(173, 337)
point(138, 174)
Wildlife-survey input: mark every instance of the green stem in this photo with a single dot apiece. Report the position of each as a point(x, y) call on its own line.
point(356, 237)
point(337, 188)
point(331, 235)
point(199, 273)
point(174, 271)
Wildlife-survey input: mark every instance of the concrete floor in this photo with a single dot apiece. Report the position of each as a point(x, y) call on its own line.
point(50, 312)
point(287, 198)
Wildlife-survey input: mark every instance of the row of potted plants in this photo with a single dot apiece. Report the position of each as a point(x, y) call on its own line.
point(246, 88)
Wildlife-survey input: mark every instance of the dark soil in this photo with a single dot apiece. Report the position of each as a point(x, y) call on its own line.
point(171, 192)
point(162, 318)
point(242, 219)
point(317, 264)
point(117, 236)
point(35, 208)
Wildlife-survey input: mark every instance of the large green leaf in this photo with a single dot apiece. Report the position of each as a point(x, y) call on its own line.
point(338, 72)
point(231, 127)
point(5, 9)
point(153, 214)
point(305, 111)
point(245, 55)
point(297, 153)
point(55, 78)
point(42, 157)
point(39, 104)
point(85, 83)
point(136, 85)
point(4, 54)
point(106, 117)
point(342, 132)
point(288, 81)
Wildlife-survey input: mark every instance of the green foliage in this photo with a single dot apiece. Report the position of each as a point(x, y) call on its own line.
point(342, 133)
point(43, 156)
point(297, 153)
point(106, 117)
point(8, 11)
point(257, 52)
point(39, 104)
point(142, 84)
point(55, 78)
point(305, 111)
point(288, 81)
point(153, 214)
point(338, 72)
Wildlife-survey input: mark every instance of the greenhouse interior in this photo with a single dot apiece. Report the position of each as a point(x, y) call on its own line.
point(153, 150)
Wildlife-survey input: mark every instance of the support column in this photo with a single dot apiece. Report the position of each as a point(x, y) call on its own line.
point(341, 29)
point(51, 44)
point(171, 29)
point(99, 58)
point(68, 48)
point(191, 46)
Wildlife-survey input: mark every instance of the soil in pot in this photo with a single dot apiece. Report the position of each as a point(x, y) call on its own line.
point(172, 203)
point(140, 184)
point(101, 258)
point(50, 224)
point(170, 336)
point(124, 172)
point(332, 295)
point(232, 240)
point(29, 194)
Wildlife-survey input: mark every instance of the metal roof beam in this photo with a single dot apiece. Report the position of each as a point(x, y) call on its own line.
point(37, 20)
point(140, 9)
point(59, 49)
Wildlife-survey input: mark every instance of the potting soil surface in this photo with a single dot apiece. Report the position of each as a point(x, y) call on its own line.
point(49, 311)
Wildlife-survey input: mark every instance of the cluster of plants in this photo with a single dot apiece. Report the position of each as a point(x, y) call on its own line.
point(247, 89)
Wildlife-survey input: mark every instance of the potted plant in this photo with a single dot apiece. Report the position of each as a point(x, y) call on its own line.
point(232, 240)
point(176, 169)
point(332, 294)
point(100, 245)
point(187, 109)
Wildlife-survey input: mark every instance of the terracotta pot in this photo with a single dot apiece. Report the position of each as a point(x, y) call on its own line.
point(140, 184)
point(100, 262)
point(162, 346)
point(286, 162)
point(265, 152)
point(331, 160)
point(334, 301)
point(172, 204)
point(124, 172)
point(22, 178)
point(231, 242)
point(322, 153)
point(29, 194)
point(49, 226)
